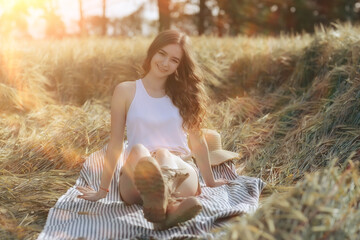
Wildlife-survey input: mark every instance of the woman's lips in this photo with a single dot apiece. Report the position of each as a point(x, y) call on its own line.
point(161, 69)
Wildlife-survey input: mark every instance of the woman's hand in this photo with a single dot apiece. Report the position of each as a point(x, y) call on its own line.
point(90, 194)
point(218, 182)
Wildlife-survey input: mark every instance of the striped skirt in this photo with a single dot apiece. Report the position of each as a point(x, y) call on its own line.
point(110, 218)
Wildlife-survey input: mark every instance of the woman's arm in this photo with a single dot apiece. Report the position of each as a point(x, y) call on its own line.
point(200, 151)
point(114, 149)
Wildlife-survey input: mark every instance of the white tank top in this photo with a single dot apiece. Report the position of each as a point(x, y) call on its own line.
point(155, 123)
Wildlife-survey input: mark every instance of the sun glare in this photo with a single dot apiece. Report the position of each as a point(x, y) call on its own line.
point(21, 4)
point(15, 15)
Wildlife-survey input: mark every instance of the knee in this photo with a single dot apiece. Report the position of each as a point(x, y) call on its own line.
point(164, 158)
point(138, 150)
point(162, 153)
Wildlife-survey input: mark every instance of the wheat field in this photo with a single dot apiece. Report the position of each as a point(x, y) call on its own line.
point(289, 104)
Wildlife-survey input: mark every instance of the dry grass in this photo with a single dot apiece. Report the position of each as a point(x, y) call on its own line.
point(289, 104)
point(325, 205)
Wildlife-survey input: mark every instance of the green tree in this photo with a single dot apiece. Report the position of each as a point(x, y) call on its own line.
point(194, 22)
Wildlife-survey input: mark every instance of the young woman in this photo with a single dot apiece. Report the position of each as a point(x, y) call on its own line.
point(162, 112)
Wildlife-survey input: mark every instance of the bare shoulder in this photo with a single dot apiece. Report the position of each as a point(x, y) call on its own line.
point(125, 92)
point(125, 87)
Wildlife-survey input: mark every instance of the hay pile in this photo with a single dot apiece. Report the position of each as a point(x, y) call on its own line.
point(325, 205)
point(289, 104)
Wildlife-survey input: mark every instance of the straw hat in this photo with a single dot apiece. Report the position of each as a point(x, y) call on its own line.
point(217, 154)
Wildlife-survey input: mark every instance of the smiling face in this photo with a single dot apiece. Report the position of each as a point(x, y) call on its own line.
point(166, 60)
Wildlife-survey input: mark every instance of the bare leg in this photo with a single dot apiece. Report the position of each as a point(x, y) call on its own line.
point(128, 190)
point(190, 185)
point(189, 207)
point(176, 211)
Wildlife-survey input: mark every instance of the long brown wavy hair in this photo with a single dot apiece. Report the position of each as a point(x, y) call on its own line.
point(185, 86)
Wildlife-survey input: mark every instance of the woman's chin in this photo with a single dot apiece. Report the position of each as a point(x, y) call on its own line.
point(161, 74)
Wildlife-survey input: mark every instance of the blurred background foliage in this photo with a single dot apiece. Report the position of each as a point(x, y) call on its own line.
point(195, 17)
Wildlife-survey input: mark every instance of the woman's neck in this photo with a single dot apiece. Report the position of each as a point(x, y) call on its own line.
point(154, 83)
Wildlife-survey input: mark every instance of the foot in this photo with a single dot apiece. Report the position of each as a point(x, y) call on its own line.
point(186, 210)
point(150, 183)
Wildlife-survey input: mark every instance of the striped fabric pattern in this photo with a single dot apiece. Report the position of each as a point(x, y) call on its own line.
point(110, 218)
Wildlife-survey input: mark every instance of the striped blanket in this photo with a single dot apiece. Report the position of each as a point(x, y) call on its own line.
point(110, 218)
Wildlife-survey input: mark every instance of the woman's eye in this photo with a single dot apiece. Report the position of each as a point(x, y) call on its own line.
point(161, 53)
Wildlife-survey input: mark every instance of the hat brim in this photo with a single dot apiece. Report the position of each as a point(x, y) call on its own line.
point(220, 156)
